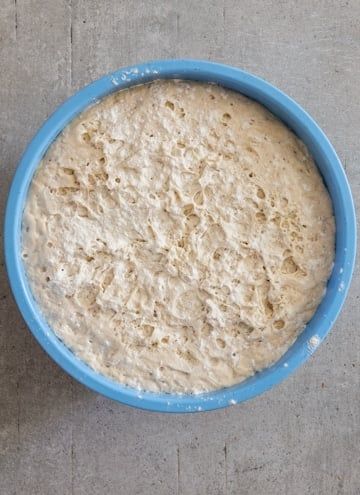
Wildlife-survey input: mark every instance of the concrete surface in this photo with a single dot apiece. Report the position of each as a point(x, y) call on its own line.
point(56, 437)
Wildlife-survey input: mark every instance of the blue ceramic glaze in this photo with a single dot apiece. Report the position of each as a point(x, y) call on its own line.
point(327, 161)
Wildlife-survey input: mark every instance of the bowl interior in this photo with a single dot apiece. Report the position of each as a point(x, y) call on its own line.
point(327, 161)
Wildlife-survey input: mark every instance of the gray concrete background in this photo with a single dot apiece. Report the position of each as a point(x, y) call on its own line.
point(56, 437)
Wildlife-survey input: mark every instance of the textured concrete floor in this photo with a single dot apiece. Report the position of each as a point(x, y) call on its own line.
point(56, 437)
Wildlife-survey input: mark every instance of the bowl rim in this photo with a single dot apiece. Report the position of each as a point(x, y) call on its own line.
point(230, 77)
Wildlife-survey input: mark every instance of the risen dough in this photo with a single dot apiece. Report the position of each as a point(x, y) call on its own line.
point(178, 237)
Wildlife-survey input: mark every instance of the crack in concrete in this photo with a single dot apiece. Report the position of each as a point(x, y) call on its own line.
point(178, 470)
point(16, 19)
point(225, 467)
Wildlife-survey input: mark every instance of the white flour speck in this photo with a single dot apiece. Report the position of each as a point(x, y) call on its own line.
point(313, 343)
point(114, 81)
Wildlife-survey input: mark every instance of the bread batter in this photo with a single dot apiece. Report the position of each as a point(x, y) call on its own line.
point(178, 237)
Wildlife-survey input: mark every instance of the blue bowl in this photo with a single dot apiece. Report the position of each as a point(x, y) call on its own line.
point(334, 177)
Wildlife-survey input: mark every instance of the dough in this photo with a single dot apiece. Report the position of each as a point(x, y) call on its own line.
point(178, 237)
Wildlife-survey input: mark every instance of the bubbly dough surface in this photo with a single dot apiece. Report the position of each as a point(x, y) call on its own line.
point(178, 237)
